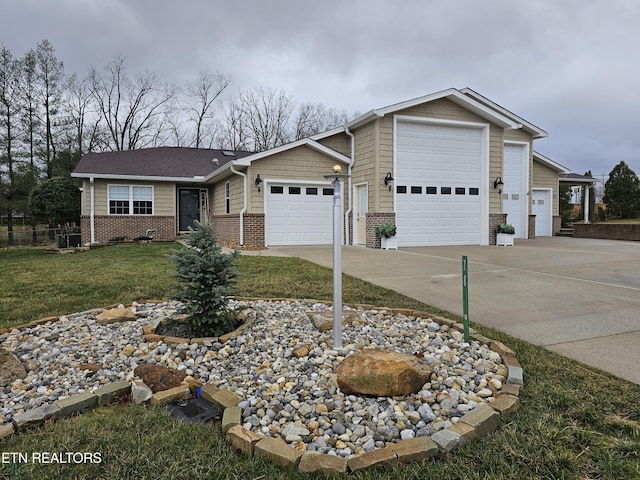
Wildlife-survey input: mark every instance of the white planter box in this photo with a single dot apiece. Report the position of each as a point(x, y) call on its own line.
point(390, 243)
point(504, 239)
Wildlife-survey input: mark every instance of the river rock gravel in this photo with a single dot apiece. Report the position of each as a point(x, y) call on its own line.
point(283, 395)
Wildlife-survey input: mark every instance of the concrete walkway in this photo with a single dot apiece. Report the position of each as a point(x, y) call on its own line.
point(577, 297)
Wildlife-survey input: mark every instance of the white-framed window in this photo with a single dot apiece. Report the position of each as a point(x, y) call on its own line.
point(130, 200)
point(227, 198)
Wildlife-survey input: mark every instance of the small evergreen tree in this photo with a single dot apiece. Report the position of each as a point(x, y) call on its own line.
point(622, 192)
point(205, 279)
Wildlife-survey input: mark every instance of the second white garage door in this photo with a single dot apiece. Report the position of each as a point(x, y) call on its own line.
point(438, 184)
point(299, 215)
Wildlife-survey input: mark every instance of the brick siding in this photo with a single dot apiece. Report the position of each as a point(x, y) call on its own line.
point(495, 219)
point(372, 221)
point(532, 227)
point(610, 231)
point(129, 226)
point(227, 229)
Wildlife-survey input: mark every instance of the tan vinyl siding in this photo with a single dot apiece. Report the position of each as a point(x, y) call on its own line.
point(366, 160)
point(298, 164)
point(164, 196)
point(385, 145)
point(545, 177)
point(85, 198)
point(496, 153)
point(236, 184)
point(442, 108)
point(341, 143)
point(374, 150)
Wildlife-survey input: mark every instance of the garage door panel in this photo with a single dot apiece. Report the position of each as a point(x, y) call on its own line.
point(447, 158)
point(298, 215)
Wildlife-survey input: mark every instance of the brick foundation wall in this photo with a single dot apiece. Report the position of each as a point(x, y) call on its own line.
point(495, 219)
point(254, 229)
point(129, 226)
point(610, 231)
point(373, 220)
point(557, 224)
point(227, 229)
point(532, 227)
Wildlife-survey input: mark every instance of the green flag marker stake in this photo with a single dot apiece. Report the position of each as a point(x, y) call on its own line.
point(465, 298)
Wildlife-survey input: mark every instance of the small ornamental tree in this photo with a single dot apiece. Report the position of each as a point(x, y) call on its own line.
point(204, 280)
point(622, 192)
point(56, 200)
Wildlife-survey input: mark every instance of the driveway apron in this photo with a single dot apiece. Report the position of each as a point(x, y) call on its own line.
point(576, 297)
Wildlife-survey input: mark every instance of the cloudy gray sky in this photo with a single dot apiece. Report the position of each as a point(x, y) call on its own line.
point(570, 67)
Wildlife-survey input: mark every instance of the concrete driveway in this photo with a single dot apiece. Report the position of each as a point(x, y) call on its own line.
point(577, 297)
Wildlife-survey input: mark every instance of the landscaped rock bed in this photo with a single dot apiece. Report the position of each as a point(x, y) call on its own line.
point(276, 378)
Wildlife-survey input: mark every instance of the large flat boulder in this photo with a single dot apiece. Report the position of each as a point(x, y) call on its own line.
point(382, 374)
point(10, 368)
point(116, 315)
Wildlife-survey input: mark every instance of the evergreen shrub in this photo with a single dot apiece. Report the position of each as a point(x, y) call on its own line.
point(205, 278)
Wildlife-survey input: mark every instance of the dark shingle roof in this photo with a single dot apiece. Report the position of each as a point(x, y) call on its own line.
point(171, 162)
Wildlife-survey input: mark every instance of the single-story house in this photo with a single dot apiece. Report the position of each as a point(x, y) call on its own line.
point(446, 168)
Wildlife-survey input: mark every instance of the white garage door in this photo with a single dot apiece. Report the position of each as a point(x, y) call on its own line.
point(299, 215)
point(438, 170)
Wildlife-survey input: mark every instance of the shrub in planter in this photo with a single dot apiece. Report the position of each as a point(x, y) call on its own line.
point(386, 230)
point(506, 228)
point(204, 280)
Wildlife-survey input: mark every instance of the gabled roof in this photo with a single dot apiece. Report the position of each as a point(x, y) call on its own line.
point(246, 161)
point(328, 133)
point(538, 157)
point(456, 96)
point(161, 163)
point(526, 126)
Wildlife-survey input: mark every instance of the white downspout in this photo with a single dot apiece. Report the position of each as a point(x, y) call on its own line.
point(350, 201)
point(244, 207)
point(92, 212)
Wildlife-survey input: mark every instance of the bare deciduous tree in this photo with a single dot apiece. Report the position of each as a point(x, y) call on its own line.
point(257, 120)
point(49, 74)
point(312, 118)
point(200, 96)
point(233, 132)
point(82, 115)
point(9, 108)
point(131, 109)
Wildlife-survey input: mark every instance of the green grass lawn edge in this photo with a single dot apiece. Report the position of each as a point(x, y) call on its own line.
point(575, 422)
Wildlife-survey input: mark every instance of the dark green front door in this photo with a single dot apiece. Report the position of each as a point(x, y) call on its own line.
point(188, 208)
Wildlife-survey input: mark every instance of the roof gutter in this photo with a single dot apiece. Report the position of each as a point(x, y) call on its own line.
point(246, 201)
point(352, 162)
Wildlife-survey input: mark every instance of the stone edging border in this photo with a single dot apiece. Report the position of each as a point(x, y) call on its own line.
point(481, 421)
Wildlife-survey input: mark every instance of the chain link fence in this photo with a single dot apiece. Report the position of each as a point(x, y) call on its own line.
point(24, 237)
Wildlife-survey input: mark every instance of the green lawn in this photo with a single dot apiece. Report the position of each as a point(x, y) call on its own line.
point(575, 421)
point(623, 220)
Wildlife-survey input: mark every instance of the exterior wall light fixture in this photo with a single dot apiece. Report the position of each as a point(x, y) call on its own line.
point(258, 182)
point(388, 180)
point(498, 183)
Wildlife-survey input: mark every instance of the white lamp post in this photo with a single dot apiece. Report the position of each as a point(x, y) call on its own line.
point(336, 177)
